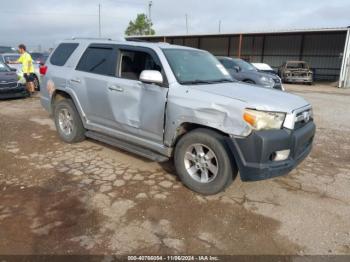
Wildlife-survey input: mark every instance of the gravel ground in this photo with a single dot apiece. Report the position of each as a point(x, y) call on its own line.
point(90, 198)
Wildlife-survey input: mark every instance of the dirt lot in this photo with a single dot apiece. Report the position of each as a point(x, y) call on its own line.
point(93, 199)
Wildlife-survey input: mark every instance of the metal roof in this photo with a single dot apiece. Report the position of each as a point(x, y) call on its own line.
point(285, 31)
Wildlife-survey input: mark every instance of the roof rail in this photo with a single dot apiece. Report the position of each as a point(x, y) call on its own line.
point(91, 38)
point(136, 40)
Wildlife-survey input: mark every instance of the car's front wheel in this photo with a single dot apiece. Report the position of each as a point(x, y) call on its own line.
point(203, 162)
point(68, 122)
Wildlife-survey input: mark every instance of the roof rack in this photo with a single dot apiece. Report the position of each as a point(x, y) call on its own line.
point(136, 40)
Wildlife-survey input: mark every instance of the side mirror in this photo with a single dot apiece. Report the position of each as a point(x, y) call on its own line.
point(151, 77)
point(237, 68)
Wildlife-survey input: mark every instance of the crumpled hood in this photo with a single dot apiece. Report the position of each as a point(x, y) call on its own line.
point(256, 97)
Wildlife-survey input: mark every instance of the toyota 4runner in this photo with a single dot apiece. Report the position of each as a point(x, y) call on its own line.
point(165, 102)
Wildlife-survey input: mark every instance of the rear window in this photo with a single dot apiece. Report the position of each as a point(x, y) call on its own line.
point(99, 60)
point(62, 53)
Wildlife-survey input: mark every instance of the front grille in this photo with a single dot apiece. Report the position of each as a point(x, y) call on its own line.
point(8, 84)
point(299, 74)
point(303, 118)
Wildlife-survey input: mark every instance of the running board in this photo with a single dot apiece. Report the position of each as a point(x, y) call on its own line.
point(127, 146)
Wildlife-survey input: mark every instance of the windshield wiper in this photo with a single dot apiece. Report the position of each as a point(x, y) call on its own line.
point(195, 82)
point(198, 82)
point(223, 80)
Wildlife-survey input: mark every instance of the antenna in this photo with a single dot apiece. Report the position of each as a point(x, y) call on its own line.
point(186, 24)
point(99, 20)
point(150, 4)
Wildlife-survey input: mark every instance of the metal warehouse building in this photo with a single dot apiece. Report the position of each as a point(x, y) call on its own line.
point(326, 50)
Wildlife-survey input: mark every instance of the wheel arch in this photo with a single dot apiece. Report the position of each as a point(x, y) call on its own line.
point(59, 95)
point(187, 127)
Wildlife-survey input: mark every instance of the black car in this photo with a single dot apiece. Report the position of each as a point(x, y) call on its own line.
point(9, 86)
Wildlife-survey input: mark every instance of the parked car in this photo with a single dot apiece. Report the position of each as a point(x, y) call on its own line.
point(7, 49)
point(264, 68)
point(171, 102)
point(39, 58)
point(246, 72)
point(9, 86)
point(296, 72)
point(5, 58)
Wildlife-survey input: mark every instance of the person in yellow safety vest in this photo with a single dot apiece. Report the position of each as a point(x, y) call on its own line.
point(27, 67)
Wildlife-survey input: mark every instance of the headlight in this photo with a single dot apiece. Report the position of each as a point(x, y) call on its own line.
point(263, 120)
point(267, 81)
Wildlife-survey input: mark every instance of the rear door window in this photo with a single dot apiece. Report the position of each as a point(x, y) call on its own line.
point(99, 59)
point(62, 53)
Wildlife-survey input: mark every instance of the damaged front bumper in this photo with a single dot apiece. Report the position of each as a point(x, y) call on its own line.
point(254, 155)
point(298, 79)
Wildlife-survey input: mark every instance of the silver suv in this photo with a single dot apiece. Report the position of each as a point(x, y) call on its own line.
point(165, 102)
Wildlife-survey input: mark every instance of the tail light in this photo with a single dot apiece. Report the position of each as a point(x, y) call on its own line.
point(43, 69)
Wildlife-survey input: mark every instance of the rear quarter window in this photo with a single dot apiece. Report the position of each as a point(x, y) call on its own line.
point(99, 60)
point(62, 53)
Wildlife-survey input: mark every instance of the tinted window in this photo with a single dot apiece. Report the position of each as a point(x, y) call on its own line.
point(62, 53)
point(134, 62)
point(229, 64)
point(98, 60)
point(244, 65)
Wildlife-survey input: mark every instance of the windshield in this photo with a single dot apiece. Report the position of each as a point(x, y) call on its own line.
point(245, 66)
point(11, 58)
point(196, 67)
point(4, 68)
point(297, 65)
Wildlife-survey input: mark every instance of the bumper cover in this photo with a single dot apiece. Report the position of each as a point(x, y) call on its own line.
point(298, 79)
point(13, 92)
point(253, 154)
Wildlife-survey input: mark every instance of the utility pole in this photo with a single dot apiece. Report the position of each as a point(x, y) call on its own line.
point(186, 24)
point(150, 11)
point(99, 20)
point(219, 26)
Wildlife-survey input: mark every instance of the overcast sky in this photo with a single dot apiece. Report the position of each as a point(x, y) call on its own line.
point(44, 22)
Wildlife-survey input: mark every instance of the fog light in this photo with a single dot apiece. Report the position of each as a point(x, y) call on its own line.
point(280, 155)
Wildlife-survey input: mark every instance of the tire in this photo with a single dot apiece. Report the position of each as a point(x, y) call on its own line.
point(249, 82)
point(210, 141)
point(66, 115)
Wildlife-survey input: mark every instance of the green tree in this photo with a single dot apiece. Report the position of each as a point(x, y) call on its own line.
point(141, 26)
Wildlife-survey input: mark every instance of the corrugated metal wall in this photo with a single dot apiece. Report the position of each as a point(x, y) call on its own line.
point(322, 50)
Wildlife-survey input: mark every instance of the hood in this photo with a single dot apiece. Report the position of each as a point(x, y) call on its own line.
point(256, 97)
point(8, 77)
point(260, 74)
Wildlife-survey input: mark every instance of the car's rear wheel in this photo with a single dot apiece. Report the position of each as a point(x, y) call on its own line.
point(203, 162)
point(249, 82)
point(68, 122)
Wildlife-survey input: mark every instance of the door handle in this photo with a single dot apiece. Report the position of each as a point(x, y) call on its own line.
point(76, 80)
point(116, 88)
